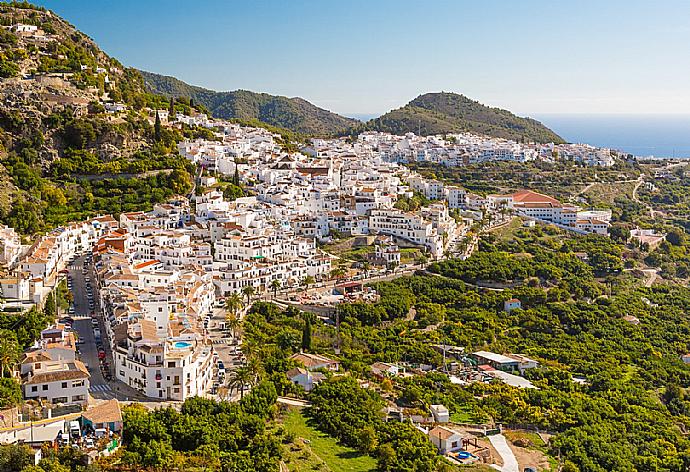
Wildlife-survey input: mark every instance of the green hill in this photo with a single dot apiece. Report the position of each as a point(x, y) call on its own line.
point(440, 113)
point(295, 114)
point(63, 157)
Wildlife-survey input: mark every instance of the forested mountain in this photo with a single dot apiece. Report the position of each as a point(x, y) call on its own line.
point(63, 157)
point(440, 113)
point(295, 114)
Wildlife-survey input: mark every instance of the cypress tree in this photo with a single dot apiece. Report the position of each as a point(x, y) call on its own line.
point(236, 177)
point(157, 128)
point(171, 110)
point(306, 335)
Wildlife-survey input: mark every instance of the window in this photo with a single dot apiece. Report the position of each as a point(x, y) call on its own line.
point(34, 388)
point(44, 387)
point(64, 384)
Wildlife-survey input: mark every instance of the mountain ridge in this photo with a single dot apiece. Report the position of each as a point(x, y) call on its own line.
point(428, 113)
point(447, 112)
point(293, 113)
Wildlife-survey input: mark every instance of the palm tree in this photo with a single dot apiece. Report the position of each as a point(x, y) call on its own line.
point(233, 303)
point(307, 281)
point(248, 292)
point(366, 267)
point(240, 378)
point(232, 322)
point(9, 352)
point(275, 285)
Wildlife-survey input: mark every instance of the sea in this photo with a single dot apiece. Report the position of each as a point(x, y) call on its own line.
point(660, 136)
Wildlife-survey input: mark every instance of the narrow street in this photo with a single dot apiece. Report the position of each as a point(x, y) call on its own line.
point(100, 389)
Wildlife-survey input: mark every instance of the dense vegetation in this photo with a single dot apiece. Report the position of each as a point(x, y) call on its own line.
point(441, 113)
point(204, 435)
point(559, 179)
point(295, 114)
point(628, 414)
point(670, 195)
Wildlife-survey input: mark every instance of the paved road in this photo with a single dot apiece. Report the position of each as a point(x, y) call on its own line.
point(510, 463)
point(82, 325)
point(100, 388)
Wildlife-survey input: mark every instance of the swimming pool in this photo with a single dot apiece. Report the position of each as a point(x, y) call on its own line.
point(181, 344)
point(463, 455)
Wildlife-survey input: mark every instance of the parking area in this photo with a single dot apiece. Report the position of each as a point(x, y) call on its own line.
point(227, 346)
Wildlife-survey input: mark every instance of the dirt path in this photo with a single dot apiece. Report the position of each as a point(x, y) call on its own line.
point(635, 198)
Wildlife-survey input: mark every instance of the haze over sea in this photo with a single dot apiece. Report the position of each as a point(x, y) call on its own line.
point(641, 135)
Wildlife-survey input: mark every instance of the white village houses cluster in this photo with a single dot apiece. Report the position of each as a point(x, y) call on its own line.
point(461, 149)
point(159, 273)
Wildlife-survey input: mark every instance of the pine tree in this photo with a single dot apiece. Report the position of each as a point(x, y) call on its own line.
point(157, 128)
point(171, 110)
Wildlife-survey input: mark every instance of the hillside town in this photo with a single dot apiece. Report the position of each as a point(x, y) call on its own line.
point(156, 283)
point(199, 280)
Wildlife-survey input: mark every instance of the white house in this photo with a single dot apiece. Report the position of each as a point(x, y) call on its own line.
point(58, 382)
point(445, 439)
point(440, 413)
point(304, 378)
point(512, 304)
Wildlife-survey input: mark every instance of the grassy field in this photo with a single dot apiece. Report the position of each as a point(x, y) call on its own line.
point(320, 451)
point(508, 231)
point(604, 194)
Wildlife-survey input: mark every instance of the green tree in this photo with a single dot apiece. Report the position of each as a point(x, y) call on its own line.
point(9, 352)
point(157, 130)
point(307, 281)
point(236, 175)
point(240, 378)
point(275, 286)
point(676, 237)
point(248, 292)
point(306, 332)
point(232, 322)
point(15, 457)
point(10, 393)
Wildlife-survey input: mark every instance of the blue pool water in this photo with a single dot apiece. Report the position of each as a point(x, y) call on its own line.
point(181, 344)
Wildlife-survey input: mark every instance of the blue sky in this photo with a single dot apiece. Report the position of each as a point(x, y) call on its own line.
point(368, 56)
